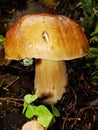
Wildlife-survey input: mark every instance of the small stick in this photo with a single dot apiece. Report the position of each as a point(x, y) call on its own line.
point(6, 87)
point(13, 99)
point(72, 119)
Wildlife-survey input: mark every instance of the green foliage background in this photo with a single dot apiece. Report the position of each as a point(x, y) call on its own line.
point(90, 23)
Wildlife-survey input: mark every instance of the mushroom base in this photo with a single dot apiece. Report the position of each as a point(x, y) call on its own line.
point(50, 80)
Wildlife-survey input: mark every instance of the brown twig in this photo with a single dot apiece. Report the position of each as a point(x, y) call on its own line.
point(88, 107)
point(72, 119)
point(12, 100)
point(6, 87)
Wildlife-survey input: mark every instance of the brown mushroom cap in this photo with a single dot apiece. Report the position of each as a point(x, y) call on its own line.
point(45, 36)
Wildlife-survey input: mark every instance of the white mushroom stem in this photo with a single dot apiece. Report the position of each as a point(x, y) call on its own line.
point(50, 79)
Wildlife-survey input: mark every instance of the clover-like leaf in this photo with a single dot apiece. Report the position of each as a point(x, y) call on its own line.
point(31, 111)
point(30, 98)
point(44, 116)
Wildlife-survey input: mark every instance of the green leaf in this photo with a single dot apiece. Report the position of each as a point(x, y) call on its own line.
point(94, 39)
point(94, 35)
point(44, 116)
point(87, 5)
point(93, 53)
point(55, 111)
point(30, 98)
point(95, 31)
point(31, 111)
point(96, 63)
point(2, 39)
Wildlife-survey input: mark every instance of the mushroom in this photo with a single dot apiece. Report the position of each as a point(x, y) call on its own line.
point(51, 39)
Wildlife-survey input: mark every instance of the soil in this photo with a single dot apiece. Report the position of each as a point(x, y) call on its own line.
point(78, 107)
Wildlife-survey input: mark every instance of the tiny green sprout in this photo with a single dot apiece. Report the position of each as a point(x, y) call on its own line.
point(43, 114)
point(30, 98)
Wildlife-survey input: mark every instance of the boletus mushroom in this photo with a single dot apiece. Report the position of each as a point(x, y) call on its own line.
point(51, 39)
